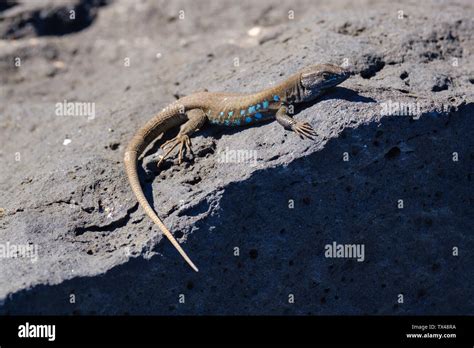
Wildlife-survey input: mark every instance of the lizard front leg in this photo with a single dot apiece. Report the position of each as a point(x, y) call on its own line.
point(196, 118)
point(303, 129)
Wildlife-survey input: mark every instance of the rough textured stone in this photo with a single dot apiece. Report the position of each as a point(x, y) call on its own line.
point(71, 198)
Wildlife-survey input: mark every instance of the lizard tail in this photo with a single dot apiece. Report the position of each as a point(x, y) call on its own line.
point(131, 157)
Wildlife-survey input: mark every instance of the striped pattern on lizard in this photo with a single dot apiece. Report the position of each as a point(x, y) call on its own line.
point(227, 109)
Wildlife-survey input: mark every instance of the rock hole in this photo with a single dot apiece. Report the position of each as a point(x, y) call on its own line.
point(394, 152)
point(253, 253)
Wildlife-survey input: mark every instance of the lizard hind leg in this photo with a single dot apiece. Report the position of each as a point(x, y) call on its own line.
point(196, 118)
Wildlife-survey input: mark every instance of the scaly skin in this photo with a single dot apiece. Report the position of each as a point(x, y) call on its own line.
point(227, 109)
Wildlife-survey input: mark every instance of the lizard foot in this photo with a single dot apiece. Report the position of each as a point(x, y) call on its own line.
point(304, 129)
point(181, 140)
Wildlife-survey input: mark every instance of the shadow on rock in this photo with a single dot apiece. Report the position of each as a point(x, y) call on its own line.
point(401, 193)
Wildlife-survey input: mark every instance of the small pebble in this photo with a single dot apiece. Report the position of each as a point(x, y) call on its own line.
point(255, 31)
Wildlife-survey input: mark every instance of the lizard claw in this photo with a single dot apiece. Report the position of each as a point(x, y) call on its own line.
point(183, 141)
point(304, 129)
point(166, 143)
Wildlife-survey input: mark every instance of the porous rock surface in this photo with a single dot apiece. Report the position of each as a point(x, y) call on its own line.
point(256, 229)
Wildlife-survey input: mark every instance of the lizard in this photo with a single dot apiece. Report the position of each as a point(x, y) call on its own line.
point(191, 112)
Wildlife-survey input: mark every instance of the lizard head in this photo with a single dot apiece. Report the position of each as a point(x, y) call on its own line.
point(315, 79)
